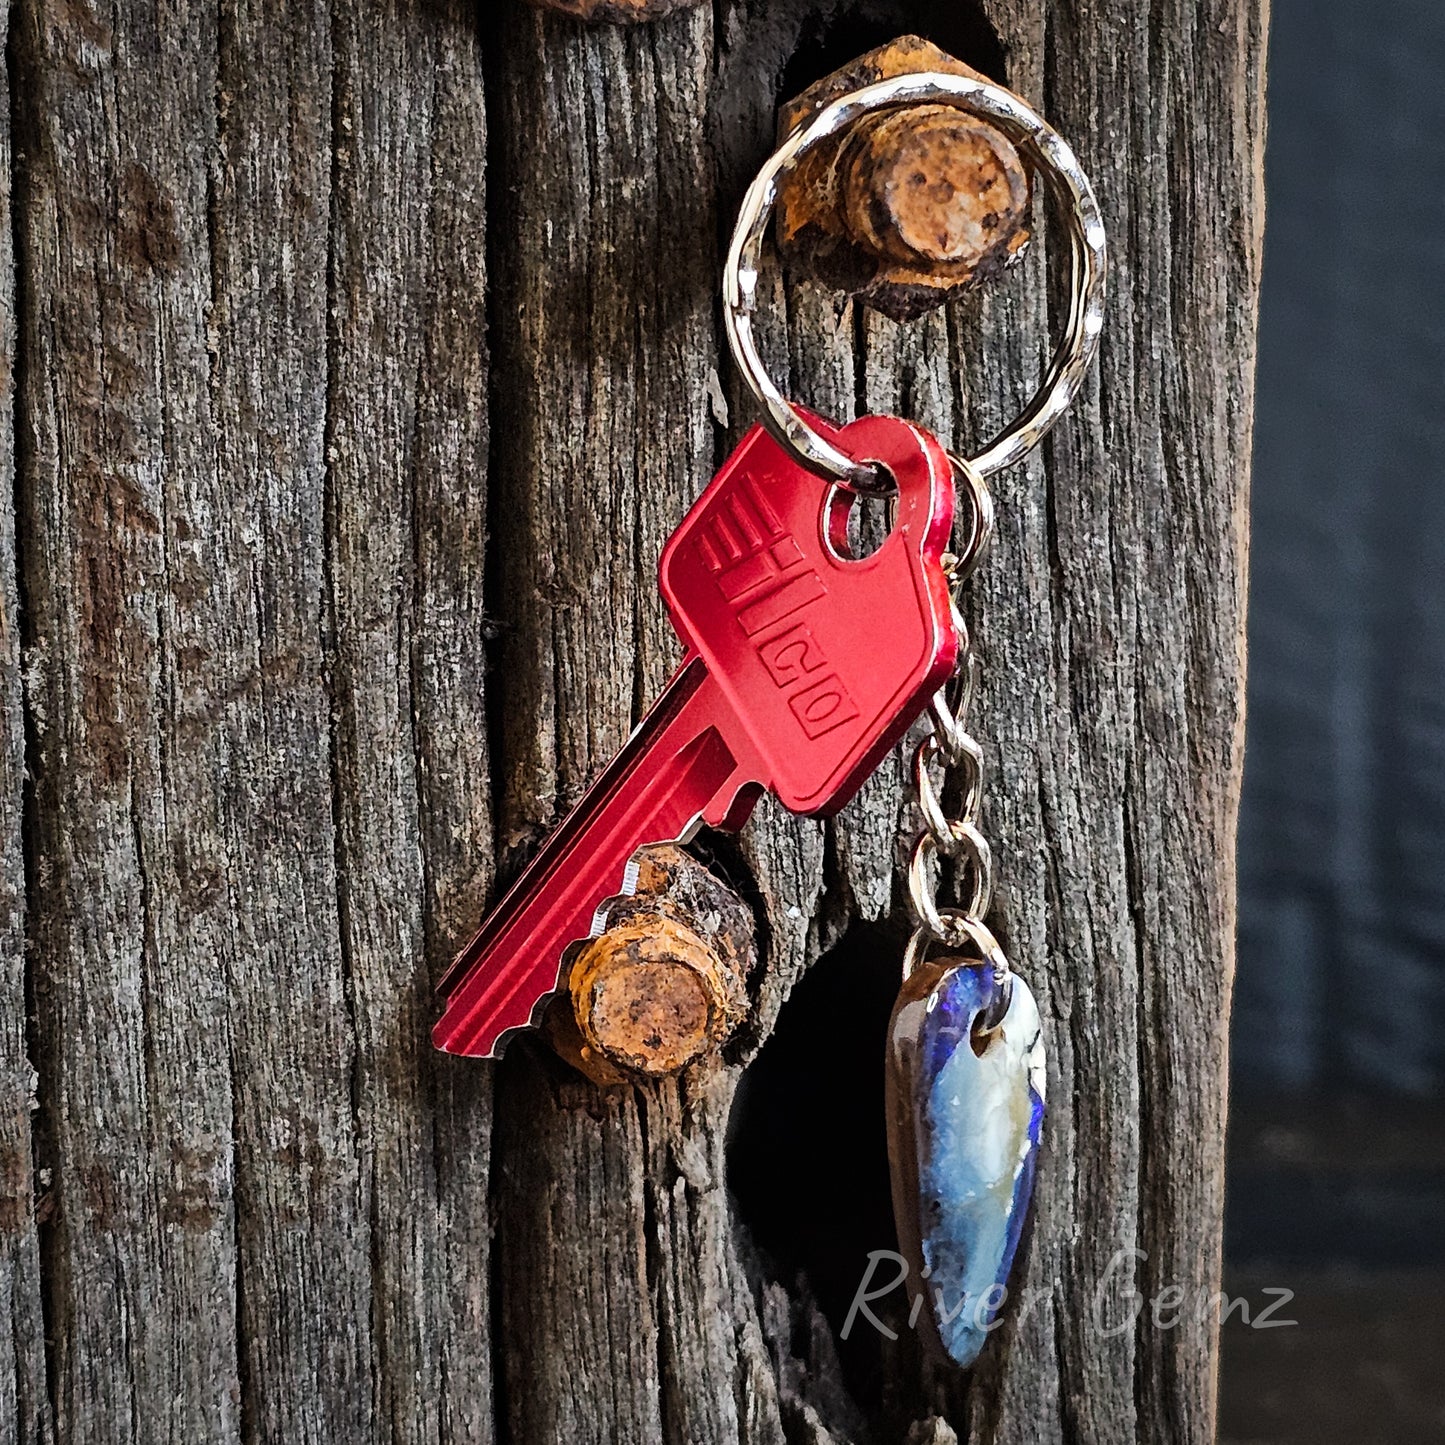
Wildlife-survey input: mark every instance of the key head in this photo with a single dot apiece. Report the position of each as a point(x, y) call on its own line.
point(826, 660)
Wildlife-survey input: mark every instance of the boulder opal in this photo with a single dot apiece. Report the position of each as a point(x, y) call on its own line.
point(965, 1107)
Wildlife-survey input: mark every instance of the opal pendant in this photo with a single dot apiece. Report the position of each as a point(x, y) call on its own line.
point(964, 1116)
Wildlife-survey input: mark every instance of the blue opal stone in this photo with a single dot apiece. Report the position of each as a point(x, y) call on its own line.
point(965, 1116)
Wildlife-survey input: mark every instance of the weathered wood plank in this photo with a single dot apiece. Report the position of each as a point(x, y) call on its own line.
point(24, 1399)
point(1061, 605)
point(406, 531)
point(181, 400)
point(604, 344)
point(450, 479)
point(304, 1280)
point(135, 663)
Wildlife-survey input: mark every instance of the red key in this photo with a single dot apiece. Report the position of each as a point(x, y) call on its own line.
point(803, 668)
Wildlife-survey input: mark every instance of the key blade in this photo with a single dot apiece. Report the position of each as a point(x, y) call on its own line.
point(675, 771)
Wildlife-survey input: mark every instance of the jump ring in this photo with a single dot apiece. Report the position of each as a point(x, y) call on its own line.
point(1067, 184)
point(971, 851)
point(948, 710)
point(958, 930)
point(962, 841)
point(967, 481)
point(920, 892)
point(930, 804)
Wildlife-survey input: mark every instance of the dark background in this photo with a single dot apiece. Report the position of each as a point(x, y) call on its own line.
point(1337, 1161)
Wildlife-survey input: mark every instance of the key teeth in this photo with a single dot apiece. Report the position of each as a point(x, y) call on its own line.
point(443, 1033)
point(442, 1036)
point(508, 1036)
point(630, 875)
point(732, 808)
point(503, 1040)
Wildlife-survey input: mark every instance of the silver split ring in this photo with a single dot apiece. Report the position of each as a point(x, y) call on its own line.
point(1066, 183)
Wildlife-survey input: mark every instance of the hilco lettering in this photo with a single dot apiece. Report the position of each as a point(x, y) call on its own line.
point(760, 569)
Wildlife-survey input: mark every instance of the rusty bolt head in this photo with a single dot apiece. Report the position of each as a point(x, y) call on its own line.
point(664, 984)
point(649, 995)
point(933, 186)
point(911, 207)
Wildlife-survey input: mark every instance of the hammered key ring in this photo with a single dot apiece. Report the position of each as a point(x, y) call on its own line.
point(1066, 183)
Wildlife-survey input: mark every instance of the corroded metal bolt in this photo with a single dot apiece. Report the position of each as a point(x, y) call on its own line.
point(665, 982)
point(908, 208)
point(931, 186)
point(651, 995)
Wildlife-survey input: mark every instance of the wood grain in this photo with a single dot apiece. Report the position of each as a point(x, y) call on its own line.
point(24, 1399)
point(231, 1051)
point(136, 703)
point(617, 12)
point(361, 363)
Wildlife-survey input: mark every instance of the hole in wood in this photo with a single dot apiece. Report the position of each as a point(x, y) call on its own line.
point(830, 37)
point(807, 1142)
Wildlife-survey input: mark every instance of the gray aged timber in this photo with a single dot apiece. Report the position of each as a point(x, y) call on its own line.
point(356, 360)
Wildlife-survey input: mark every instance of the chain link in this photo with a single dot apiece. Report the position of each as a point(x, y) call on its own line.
point(950, 751)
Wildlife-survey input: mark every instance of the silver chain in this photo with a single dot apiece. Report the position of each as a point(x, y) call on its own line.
point(949, 751)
